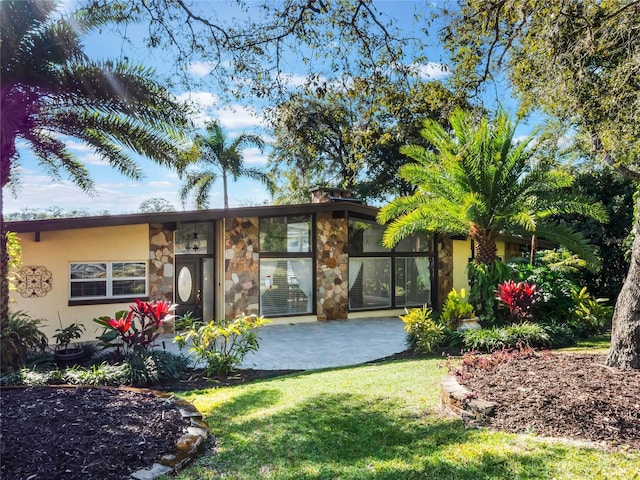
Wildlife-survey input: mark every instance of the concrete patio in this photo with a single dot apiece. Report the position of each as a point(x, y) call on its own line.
point(316, 345)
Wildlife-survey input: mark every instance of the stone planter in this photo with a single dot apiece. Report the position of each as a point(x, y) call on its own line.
point(469, 324)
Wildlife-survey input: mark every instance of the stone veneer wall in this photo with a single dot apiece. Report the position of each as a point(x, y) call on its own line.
point(161, 262)
point(241, 267)
point(444, 247)
point(332, 273)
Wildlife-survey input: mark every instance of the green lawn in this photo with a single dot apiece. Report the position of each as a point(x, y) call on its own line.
point(374, 422)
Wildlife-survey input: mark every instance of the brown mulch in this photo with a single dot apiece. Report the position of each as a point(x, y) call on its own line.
point(563, 395)
point(49, 433)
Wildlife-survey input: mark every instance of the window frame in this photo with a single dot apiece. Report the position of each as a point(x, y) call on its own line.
point(393, 255)
point(109, 280)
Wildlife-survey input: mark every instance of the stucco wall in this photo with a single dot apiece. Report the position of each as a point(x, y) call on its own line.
point(55, 250)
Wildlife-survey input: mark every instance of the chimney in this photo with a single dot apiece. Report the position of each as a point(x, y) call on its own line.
point(328, 194)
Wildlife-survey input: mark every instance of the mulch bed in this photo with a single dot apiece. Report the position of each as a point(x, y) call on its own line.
point(67, 433)
point(563, 395)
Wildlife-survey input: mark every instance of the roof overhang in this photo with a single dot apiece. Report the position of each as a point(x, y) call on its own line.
point(188, 216)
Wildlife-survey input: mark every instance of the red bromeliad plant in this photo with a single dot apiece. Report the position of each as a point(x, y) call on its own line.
point(518, 298)
point(137, 328)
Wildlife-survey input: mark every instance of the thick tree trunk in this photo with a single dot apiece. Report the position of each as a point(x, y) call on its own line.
point(485, 242)
point(625, 335)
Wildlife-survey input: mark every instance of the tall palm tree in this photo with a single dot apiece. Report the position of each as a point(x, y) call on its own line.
point(51, 91)
point(214, 153)
point(478, 181)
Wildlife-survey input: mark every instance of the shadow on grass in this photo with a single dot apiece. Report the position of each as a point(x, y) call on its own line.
point(350, 436)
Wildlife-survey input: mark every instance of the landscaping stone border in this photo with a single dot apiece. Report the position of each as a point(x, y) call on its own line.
point(188, 446)
point(460, 402)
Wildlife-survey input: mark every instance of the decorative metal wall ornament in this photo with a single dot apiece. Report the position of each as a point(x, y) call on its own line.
point(34, 281)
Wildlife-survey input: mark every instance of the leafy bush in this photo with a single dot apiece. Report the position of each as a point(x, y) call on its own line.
point(519, 298)
point(592, 313)
point(185, 322)
point(137, 370)
point(422, 332)
point(456, 308)
point(136, 329)
point(512, 336)
point(483, 280)
point(555, 288)
point(20, 334)
point(223, 345)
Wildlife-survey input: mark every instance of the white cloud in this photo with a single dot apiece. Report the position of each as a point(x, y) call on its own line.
point(430, 70)
point(239, 117)
point(200, 69)
point(254, 156)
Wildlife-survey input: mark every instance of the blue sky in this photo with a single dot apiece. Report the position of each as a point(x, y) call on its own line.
point(116, 193)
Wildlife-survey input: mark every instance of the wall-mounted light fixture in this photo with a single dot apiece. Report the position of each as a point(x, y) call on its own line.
point(194, 243)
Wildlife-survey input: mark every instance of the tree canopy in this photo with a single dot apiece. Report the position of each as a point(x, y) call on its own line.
point(51, 91)
point(477, 180)
point(217, 155)
point(580, 63)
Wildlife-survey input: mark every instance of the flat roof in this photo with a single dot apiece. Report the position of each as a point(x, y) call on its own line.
point(188, 216)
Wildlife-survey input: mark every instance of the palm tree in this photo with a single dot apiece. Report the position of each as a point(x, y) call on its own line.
point(216, 154)
point(51, 91)
point(478, 181)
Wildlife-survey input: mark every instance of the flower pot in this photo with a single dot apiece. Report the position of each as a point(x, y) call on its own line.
point(68, 356)
point(469, 324)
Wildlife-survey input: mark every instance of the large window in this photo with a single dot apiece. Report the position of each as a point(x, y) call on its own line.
point(413, 281)
point(286, 266)
point(370, 283)
point(383, 278)
point(103, 280)
point(285, 234)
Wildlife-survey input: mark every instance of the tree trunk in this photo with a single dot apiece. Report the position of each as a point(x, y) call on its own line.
point(224, 189)
point(625, 334)
point(486, 247)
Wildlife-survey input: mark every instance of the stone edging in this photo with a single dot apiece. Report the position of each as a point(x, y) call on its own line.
point(460, 402)
point(188, 446)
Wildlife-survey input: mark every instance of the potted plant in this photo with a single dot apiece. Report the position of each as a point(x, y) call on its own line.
point(63, 353)
point(458, 313)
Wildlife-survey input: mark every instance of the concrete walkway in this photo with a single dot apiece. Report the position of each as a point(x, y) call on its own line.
point(310, 346)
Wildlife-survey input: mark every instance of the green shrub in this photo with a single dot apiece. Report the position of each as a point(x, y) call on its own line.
point(593, 313)
point(223, 345)
point(512, 336)
point(484, 280)
point(135, 369)
point(20, 334)
point(423, 333)
point(456, 308)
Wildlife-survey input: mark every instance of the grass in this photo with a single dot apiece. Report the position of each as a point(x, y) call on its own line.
point(595, 344)
point(374, 422)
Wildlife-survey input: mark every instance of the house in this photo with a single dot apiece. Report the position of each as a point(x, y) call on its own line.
point(290, 263)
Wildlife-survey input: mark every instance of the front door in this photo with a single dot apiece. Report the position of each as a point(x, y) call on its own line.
point(188, 295)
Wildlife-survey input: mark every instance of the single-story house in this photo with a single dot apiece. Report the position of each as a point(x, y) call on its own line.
point(290, 263)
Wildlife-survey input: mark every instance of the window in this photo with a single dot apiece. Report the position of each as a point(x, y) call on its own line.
point(285, 234)
point(286, 287)
point(101, 280)
point(369, 283)
point(382, 278)
point(286, 265)
point(413, 281)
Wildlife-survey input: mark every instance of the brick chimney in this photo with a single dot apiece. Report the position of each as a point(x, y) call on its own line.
point(328, 194)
